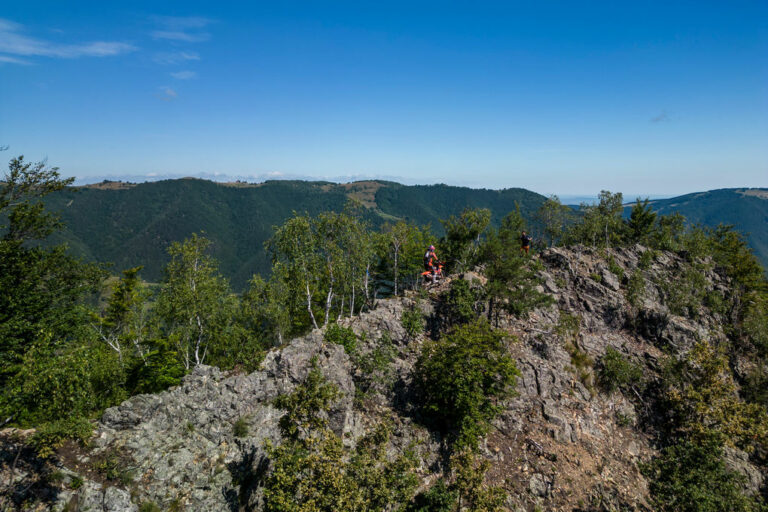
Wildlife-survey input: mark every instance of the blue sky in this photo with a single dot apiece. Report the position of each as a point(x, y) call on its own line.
point(565, 98)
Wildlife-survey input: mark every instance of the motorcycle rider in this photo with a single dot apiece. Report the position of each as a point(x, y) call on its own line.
point(431, 263)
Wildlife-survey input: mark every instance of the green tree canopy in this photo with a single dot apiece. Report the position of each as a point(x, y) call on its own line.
point(193, 300)
point(462, 237)
point(464, 378)
point(511, 275)
point(641, 222)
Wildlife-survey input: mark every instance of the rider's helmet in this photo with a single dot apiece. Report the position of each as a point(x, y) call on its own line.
point(431, 247)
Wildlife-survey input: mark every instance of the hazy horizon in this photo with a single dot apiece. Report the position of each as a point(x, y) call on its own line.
point(565, 198)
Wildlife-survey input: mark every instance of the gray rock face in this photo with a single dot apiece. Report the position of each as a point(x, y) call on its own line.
point(93, 498)
point(181, 444)
point(539, 485)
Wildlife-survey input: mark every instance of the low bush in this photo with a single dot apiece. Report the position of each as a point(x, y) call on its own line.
point(692, 477)
point(464, 490)
point(51, 436)
point(412, 321)
point(635, 288)
point(240, 428)
point(615, 268)
point(375, 367)
point(616, 371)
point(460, 304)
point(311, 471)
point(463, 377)
point(343, 336)
point(703, 401)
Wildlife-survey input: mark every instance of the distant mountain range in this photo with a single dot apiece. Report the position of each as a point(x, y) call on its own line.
point(745, 208)
point(133, 224)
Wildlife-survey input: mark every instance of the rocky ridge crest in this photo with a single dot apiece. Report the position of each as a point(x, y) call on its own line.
point(561, 443)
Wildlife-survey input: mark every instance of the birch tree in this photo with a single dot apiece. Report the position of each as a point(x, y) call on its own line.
point(554, 216)
point(294, 245)
point(192, 299)
point(124, 320)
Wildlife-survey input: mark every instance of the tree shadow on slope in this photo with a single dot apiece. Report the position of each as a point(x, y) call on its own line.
point(246, 473)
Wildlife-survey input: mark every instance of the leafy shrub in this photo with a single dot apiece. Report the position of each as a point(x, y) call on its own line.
point(312, 471)
point(755, 387)
point(692, 477)
point(703, 398)
point(755, 322)
point(686, 294)
point(149, 506)
point(240, 428)
point(469, 473)
point(375, 366)
point(412, 321)
point(305, 405)
point(52, 435)
point(343, 336)
point(635, 288)
point(111, 464)
point(160, 369)
point(581, 364)
point(617, 372)
point(623, 420)
point(596, 277)
point(76, 483)
point(463, 377)
point(466, 488)
point(716, 302)
point(567, 326)
point(646, 259)
point(615, 268)
point(438, 498)
point(56, 381)
point(460, 303)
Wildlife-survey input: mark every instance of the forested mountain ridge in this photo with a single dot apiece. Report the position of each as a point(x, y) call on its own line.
point(130, 225)
point(745, 208)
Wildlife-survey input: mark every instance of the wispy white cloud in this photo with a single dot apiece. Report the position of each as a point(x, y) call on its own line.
point(182, 29)
point(184, 75)
point(14, 42)
point(182, 22)
point(175, 57)
point(13, 60)
point(178, 35)
point(167, 94)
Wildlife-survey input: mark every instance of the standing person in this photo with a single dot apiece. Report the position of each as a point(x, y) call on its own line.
point(431, 263)
point(525, 242)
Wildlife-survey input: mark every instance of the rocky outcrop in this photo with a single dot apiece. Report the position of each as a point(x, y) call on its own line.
point(561, 443)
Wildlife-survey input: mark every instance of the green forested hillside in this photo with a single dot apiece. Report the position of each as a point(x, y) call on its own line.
point(746, 209)
point(133, 225)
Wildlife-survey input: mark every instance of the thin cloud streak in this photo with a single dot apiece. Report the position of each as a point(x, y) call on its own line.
point(175, 57)
point(13, 60)
point(182, 22)
point(180, 36)
point(13, 42)
point(181, 29)
point(661, 118)
point(184, 75)
point(168, 94)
